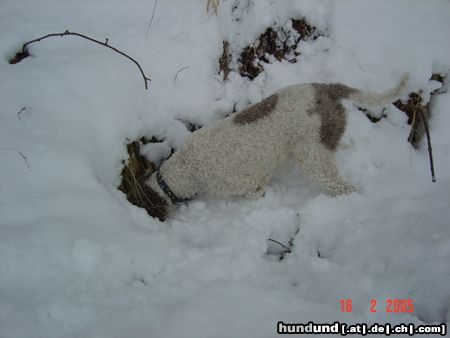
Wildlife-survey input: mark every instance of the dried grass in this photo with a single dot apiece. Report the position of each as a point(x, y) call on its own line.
point(137, 168)
point(414, 109)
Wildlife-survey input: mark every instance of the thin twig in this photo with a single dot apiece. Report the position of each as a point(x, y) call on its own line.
point(430, 150)
point(176, 75)
point(287, 249)
point(105, 44)
point(20, 154)
point(20, 112)
point(151, 19)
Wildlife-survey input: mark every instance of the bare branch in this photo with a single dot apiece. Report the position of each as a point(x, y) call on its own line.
point(176, 75)
point(25, 52)
point(286, 248)
point(19, 113)
point(430, 149)
point(151, 19)
point(18, 153)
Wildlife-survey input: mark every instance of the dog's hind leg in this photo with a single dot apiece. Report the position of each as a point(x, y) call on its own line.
point(318, 163)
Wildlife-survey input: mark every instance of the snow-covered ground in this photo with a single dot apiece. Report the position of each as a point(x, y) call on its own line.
point(77, 260)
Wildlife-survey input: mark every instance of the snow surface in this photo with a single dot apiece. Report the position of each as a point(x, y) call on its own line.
point(77, 260)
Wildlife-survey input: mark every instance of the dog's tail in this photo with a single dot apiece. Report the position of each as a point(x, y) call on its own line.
point(379, 99)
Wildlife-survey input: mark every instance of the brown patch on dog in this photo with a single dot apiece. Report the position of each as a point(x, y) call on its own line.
point(331, 112)
point(257, 111)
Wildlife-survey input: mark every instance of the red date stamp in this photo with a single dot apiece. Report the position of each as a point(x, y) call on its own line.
point(388, 305)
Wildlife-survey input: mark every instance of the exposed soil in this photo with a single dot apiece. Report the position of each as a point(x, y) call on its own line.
point(225, 59)
point(372, 118)
point(18, 57)
point(280, 42)
point(138, 169)
point(415, 110)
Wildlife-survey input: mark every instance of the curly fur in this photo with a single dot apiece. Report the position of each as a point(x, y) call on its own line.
point(238, 155)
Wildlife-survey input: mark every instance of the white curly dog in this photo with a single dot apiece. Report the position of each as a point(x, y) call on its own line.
point(238, 154)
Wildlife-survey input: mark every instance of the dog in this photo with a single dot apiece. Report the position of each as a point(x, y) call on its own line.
point(237, 155)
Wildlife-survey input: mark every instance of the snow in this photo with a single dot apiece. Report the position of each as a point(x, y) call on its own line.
point(76, 259)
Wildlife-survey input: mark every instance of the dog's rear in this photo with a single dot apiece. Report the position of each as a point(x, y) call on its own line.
point(317, 159)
